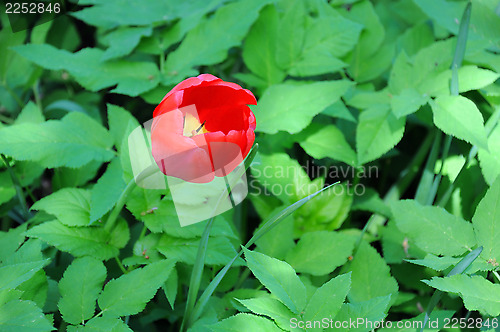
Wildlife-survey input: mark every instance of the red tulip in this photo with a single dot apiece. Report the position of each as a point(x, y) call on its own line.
point(202, 128)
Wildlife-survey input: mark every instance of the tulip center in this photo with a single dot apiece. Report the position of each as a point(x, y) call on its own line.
point(193, 127)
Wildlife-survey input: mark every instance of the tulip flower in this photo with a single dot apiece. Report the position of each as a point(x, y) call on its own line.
point(202, 128)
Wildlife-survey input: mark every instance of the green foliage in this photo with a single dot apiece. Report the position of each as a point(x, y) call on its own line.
point(116, 298)
point(79, 287)
point(350, 92)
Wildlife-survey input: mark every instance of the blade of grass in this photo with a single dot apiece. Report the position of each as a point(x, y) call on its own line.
point(268, 225)
point(457, 62)
point(199, 263)
point(459, 268)
point(425, 184)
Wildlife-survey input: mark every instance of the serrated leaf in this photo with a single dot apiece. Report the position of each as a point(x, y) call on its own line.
point(290, 34)
point(123, 40)
point(407, 102)
point(11, 240)
point(244, 322)
point(118, 121)
point(378, 132)
point(219, 251)
point(23, 316)
point(78, 241)
point(434, 229)
point(458, 116)
point(291, 107)
point(70, 205)
point(319, 253)
point(329, 142)
point(79, 287)
point(490, 159)
point(486, 223)
point(73, 142)
point(373, 310)
point(327, 300)
point(279, 278)
point(371, 277)
point(131, 78)
point(271, 307)
point(12, 275)
point(106, 191)
point(117, 300)
point(35, 289)
point(209, 42)
point(259, 49)
point(477, 292)
point(30, 114)
point(102, 324)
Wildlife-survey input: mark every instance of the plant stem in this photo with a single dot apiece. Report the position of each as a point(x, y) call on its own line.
point(113, 216)
point(120, 265)
point(18, 188)
point(38, 101)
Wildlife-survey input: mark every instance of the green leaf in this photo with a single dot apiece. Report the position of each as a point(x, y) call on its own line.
point(131, 78)
point(79, 287)
point(282, 176)
point(271, 307)
point(117, 299)
point(329, 142)
point(327, 38)
point(12, 275)
point(123, 40)
point(373, 310)
point(118, 121)
point(73, 142)
point(107, 190)
point(371, 276)
point(442, 263)
point(459, 117)
point(434, 229)
point(291, 106)
point(407, 102)
point(209, 42)
point(11, 240)
point(477, 292)
point(486, 223)
point(35, 289)
point(102, 324)
point(23, 316)
point(327, 300)
point(78, 241)
point(378, 132)
point(490, 159)
point(290, 33)
point(279, 278)
point(260, 47)
point(244, 322)
point(220, 250)
point(30, 114)
point(70, 205)
point(108, 14)
point(313, 252)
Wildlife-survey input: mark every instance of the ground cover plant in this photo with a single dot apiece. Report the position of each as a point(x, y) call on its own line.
point(373, 181)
